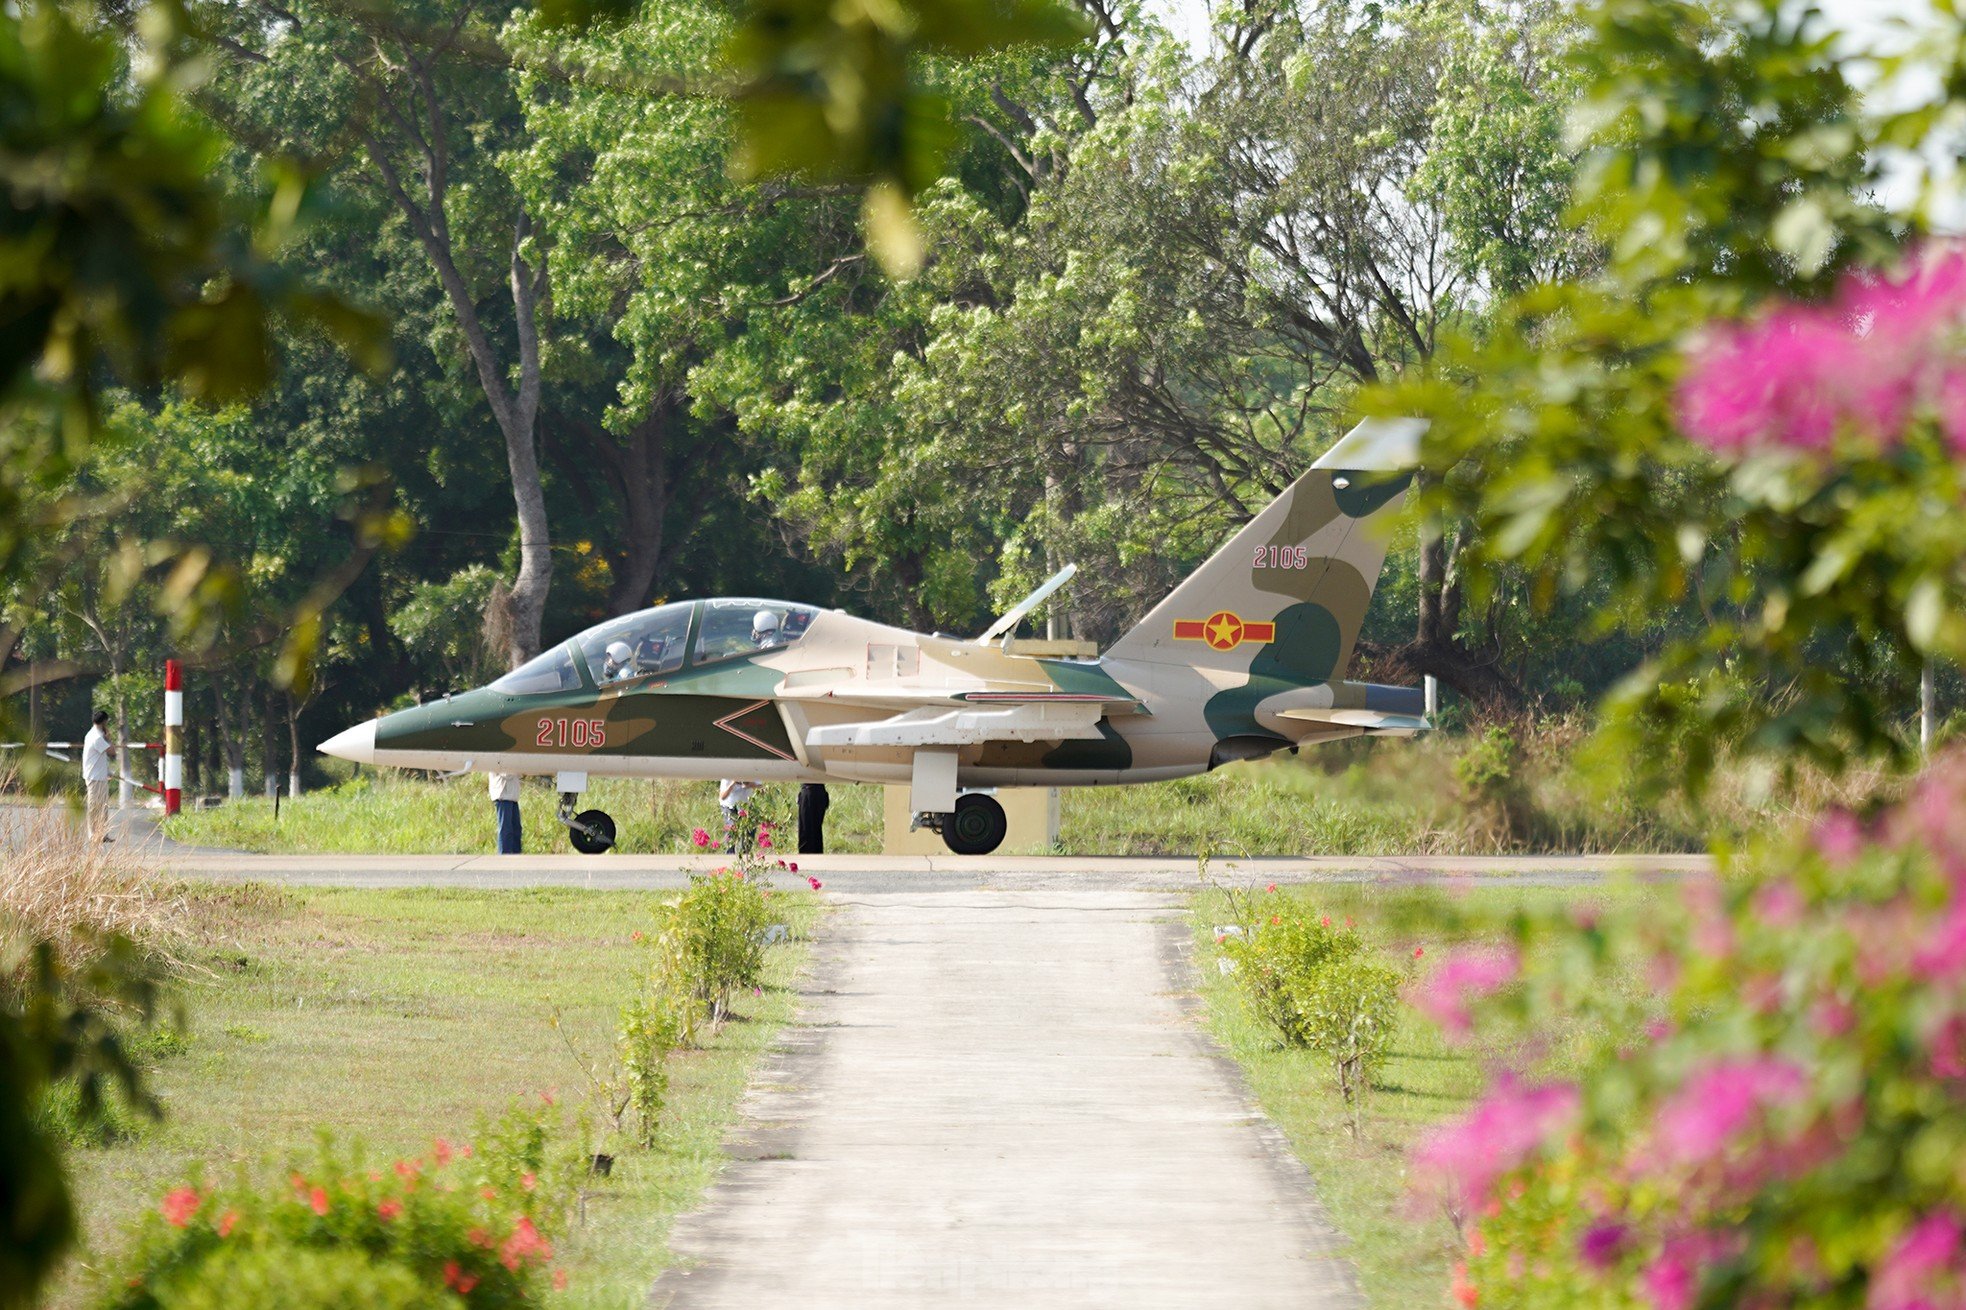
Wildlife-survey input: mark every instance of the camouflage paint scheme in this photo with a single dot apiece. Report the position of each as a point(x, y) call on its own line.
point(1245, 657)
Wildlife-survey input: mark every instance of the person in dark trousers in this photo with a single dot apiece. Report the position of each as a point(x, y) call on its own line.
point(504, 788)
point(813, 804)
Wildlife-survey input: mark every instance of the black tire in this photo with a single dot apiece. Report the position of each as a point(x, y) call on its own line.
point(599, 835)
point(977, 827)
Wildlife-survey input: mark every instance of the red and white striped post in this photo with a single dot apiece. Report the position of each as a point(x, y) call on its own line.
point(173, 736)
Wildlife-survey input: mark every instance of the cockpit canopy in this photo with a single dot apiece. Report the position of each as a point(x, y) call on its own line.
point(658, 641)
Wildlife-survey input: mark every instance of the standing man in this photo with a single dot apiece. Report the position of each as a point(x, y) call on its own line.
point(813, 804)
point(96, 752)
point(733, 794)
point(504, 788)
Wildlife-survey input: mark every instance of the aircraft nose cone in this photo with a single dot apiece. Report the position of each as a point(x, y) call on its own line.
point(356, 743)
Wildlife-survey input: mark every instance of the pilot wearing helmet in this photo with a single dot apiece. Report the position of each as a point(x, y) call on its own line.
point(764, 630)
point(620, 662)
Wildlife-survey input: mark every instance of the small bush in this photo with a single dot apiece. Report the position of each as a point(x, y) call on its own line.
point(651, 1028)
point(1318, 986)
point(717, 934)
point(339, 1233)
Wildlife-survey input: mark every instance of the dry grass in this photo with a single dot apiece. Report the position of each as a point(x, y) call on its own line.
point(56, 886)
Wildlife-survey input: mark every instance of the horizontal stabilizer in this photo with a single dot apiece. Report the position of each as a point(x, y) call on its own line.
point(1383, 722)
point(933, 726)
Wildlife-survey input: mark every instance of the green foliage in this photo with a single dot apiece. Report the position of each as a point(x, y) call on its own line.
point(1348, 1010)
point(1275, 956)
point(651, 1027)
point(717, 934)
point(63, 1028)
point(473, 1222)
point(1729, 160)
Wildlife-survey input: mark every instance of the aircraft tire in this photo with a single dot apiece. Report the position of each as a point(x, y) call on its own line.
point(599, 835)
point(977, 827)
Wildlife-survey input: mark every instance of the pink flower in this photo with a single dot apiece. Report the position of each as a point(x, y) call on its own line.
point(1911, 1272)
point(441, 1150)
point(559, 1280)
point(179, 1204)
point(1272, 887)
point(1324, 921)
point(1670, 1281)
point(524, 1244)
point(1461, 979)
point(1467, 1155)
point(1839, 837)
point(1719, 1102)
point(1779, 903)
point(816, 884)
point(764, 841)
point(1419, 951)
point(700, 839)
point(388, 1210)
point(792, 867)
point(1603, 1242)
point(1941, 956)
point(406, 1169)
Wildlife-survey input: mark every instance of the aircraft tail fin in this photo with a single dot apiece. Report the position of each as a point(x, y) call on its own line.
point(1286, 596)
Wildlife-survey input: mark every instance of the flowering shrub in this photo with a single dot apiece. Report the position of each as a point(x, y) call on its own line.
point(1317, 985)
point(455, 1222)
point(1776, 1118)
point(717, 932)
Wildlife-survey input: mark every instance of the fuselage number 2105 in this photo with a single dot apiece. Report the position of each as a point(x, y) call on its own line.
point(575, 733)
point(1283, 557)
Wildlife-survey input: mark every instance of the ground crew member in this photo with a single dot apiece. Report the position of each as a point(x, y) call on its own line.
point(504, 789)
point(96, 752)
point(733, 795)
point(813, 804)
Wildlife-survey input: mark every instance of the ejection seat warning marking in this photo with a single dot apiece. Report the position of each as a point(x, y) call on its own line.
point(729, 724)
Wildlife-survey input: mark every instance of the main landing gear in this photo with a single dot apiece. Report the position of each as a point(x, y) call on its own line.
point(977, 827)
point(591, 831)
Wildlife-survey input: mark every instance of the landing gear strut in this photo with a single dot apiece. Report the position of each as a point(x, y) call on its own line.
point(977, 827)
point(591, 831)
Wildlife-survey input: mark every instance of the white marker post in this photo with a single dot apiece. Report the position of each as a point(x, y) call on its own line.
point(173, 736)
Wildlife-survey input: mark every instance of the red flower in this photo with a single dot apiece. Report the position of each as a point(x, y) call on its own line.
point(635, 936)
point(457, 1280)
point(405, 1169)
point(227, 1222)
point(317, 1200)
point(528, 1181)
point(479, 1237)
point(816, 884)
point(180, 1203)
point(700, 839)
point(300, 1183)
point(524, 1244)
point(1324, 921)
point(793, 867)
point(389, 1210)
point(1419, 951)
point(489, 1193)
point(1275, 919)
point(1464, 1291)
point(1272, 887)
point(559, 1280)
point(442, 1150)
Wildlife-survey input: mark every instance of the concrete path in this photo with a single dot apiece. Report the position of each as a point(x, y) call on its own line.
point(902, 873)
point(1000, 1099)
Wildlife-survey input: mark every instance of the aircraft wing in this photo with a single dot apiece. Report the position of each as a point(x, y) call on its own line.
point(971, 724)
point(1383, 722)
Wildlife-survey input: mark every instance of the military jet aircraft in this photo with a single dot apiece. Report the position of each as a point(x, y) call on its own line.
point(1246, 657)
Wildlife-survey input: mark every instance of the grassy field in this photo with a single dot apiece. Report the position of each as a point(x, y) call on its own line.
point(1403, 1252)
point(1350, 798)
point(393, 1018)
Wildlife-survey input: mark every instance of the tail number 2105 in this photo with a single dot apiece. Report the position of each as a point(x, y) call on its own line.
point(575, 733)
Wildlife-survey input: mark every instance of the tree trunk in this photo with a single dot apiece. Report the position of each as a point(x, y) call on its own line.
point(269, 743)
point(293, 747)
point(232, 742)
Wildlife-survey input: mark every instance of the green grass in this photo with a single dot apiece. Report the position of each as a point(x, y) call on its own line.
point(1351, 798)
point(1403, 1251)
point(392, 1018)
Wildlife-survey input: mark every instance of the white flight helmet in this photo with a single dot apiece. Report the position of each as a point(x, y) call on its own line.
point(619, 654)
point(764, 624)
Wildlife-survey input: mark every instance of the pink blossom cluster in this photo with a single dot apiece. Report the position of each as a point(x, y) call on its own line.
point(1720, 1103)
point(1464, 1158)
point(1462, 978)
point(1880, 353)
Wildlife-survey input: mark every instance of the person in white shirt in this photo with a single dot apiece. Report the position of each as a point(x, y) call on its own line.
point(504, 788)
point(734, 794)
point(96, 752)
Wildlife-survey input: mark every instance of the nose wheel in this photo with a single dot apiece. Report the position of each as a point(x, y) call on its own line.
point(977, 827)
point(591, 831)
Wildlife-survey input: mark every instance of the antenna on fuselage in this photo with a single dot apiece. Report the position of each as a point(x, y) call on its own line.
point(1016, 613)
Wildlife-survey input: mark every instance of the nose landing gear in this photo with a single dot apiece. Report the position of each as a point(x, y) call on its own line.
point(591, 831)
